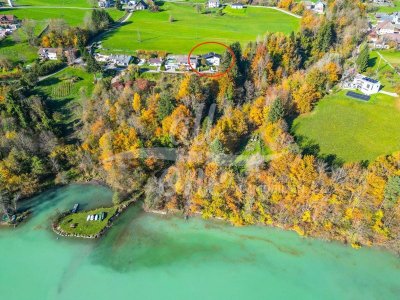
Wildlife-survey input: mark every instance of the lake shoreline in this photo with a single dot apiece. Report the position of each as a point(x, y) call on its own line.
point(321, 237)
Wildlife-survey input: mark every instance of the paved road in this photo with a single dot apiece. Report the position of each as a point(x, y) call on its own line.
point(41, 78)
point(389, 94)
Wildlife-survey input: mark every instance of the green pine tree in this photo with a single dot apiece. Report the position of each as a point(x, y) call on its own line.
point(277, 111)
point(362, 60)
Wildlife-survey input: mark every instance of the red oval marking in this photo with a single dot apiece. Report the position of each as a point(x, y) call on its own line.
point(216, 75)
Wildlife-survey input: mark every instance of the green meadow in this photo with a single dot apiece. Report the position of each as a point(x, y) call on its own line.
point(56, 3)
point(153, 30)
point(392, 56)
point(382, 71)
point(389, 9)
point(64, 92)
point(73, 17)
point(350, 129)
point(81, 226)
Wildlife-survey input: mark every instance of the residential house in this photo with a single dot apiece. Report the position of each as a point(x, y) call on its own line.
point(387, 28)
point(237, 6)
point(213, 3)
point(383, 2)
point(393, 18)
point(155, 62)
point(49, 53)
point(212, 59)
point(101, 57)
point(319, 7)
point(309, 5)
point(104, 3)
point(120, 60)
point(7, 20)
point(366, 85)
point(137, 5)
point(180, 62)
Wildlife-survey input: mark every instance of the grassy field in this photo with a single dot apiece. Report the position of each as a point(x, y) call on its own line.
point(153, 31)
point(385, 9)
point(392, 56)
point(17, 52)
point(59, 3)
point(350, 129)
point(73, 17)
point(64, 91)
point(86, 227)
point(379, 69)
point(21, 51)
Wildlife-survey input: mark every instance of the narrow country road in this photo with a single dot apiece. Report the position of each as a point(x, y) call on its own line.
point(41, 78)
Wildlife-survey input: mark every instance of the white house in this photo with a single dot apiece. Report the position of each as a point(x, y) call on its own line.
point(101, 57)
point(48, 53)
point(120, 60)
point(155, 62)
point(319, 7)
point(387, 28)
point(104, 3)
point(175, 62)
point(213, 3)
point(308, 5)
point(212, 59)
point(237, 6)
point(366, 85)
point(137, 5)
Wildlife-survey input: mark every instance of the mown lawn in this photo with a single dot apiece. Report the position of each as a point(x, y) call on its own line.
point(380, 70)
point(59, 3)
point(385, 9)
point(20, 52)
point(73, 17)
point(392, 56)
point(86, 227)
point(351, 129)
point(153, 31)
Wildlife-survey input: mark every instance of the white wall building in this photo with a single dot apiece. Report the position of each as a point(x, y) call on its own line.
point(48, 53)
point(319, 7)
point(213, 3)
point(212, 59)
point(366, 85)
point(237, 6)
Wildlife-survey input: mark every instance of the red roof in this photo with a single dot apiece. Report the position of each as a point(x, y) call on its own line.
point(9, 18)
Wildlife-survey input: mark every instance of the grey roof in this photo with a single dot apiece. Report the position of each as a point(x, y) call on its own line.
point(210, 55)
point(123, 59)
point(370, 80)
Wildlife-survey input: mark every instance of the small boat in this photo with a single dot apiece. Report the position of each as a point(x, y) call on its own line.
point(75, 208)
point(102, 216)
point(88, 218)
point(91, 217)
point(96, 217)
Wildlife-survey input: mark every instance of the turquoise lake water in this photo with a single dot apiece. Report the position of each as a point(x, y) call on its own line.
point(148, 256)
